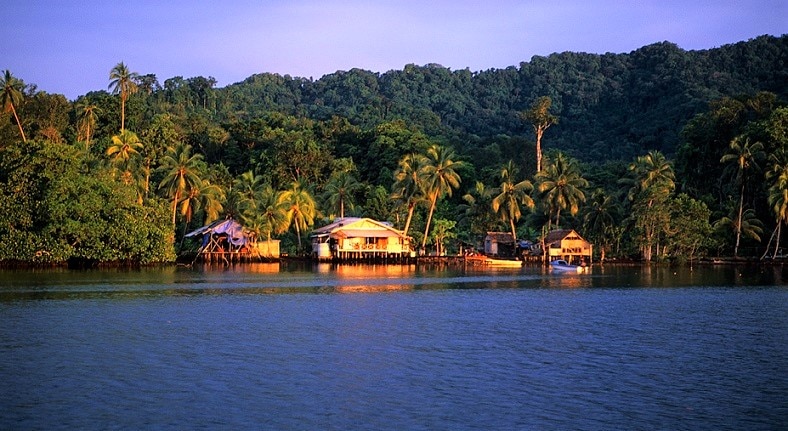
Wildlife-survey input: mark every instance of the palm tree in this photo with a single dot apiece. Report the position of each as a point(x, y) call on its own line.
point(747, 223)
point(745, 155)
point(560, 186)
point(124, 146)
point(652, 182)
point(123, 82)
point(440, 177)
point(123, 152)
point(246, 188)
point(778, 195)
point(653, 169)
point(476, 213)
point(408, 187)
point(271, 216)
point(182, 172)
point(11, 95)
point(300, 207)
point(211, 200)
point(87, 120)
point(511, 196)
point(599, 219)
point(339, 191)
point(205, 196)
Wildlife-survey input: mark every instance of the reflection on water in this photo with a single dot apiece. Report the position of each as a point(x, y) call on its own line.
point(270, 278)
point(280, 346)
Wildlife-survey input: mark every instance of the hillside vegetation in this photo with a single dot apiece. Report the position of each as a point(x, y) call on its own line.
point(671, 154)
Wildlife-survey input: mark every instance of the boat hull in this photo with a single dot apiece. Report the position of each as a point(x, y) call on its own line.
point(564, 267)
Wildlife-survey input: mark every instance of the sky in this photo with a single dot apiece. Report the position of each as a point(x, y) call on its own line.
point(69, 47)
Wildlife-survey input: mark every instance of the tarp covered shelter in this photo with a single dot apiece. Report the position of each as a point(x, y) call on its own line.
point(227, 238)
point(224, 235)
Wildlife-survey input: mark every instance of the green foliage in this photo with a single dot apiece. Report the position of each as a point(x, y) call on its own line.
point(659, 105)
point(55, 213)
point(442, 232)
point(690, 230)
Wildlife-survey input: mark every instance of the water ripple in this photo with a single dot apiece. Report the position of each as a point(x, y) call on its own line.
point(452, 351)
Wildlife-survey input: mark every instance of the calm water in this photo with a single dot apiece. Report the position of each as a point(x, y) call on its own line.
point(326, 348)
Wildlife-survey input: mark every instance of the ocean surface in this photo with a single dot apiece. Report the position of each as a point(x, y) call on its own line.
point(293, 347)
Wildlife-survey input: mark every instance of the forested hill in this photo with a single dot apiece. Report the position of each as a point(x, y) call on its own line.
point(609, 106)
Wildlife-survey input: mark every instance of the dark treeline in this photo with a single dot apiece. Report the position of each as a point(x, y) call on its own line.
point(660, 153)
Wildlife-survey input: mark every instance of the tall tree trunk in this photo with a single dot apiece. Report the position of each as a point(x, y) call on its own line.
point(175, 200)
point(298, 234)
point(87, 136)
point(429, 219)
point(147, 177)
point(738, 222)
point(18, 123)
point(539, 132)
point(122, 113)
point(411, 208)
point(769, 244)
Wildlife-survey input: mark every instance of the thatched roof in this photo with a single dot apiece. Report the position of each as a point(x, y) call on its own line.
point(500, 237)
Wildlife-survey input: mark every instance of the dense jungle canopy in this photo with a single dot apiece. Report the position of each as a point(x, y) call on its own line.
point(659, 153)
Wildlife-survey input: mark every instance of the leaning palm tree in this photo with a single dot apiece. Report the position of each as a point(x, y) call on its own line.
point(440, 177)
point(123, 82)
point(745, 154)
point(408, 187)
point(561, 185)
point(778, 195)
point(300, 207)
point(511, 196)
point(182, 171)
point(11, 95)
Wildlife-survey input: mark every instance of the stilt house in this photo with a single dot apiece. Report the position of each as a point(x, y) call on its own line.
point(353, 238)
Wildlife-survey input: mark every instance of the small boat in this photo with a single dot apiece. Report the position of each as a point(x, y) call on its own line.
point(491, 261)
point(564, 266)
point(503, 262)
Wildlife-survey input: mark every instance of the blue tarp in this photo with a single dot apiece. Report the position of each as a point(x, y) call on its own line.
point(229, 227)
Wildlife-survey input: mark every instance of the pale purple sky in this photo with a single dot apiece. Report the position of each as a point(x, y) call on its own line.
point(69, 47)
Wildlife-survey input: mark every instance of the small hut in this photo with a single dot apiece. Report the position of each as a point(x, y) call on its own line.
point(227, 240)
point(499, 244)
